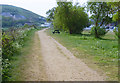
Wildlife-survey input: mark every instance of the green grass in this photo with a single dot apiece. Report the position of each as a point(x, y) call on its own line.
point(99, 54)
point(19, 59)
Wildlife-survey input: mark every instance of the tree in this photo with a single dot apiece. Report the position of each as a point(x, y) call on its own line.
point(100, 14)
point(62, 15)
point(79, 19)
point(69, 17)
point(50, 14)
point(115, 10)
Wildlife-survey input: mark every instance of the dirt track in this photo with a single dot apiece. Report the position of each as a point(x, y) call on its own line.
point(60, 64)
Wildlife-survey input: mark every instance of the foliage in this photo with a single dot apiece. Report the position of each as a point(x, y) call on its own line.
point(50, 14)
point(116, 31)
point(26, 26)
point(79, 20)
point(12, 42)
point(70, 18)
point(114, 10)
point(115, 17)
point(7, 47)
point(5, 69)
point(100, 31)
point(62, 15)
point(100, 14)
point(8, 50)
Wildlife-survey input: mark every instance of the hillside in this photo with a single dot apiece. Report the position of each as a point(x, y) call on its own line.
point(16, 16)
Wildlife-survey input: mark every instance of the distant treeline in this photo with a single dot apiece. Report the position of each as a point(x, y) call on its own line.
point(9, 22)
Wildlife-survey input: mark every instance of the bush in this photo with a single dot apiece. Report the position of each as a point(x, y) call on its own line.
point(10, 47)
point(5, 69)
point(116, 31)
point(100, 31)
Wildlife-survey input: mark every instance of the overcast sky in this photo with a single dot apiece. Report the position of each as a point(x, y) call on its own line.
point(37, 6)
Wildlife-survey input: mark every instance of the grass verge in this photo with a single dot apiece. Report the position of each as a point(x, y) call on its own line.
point(19, 59)
point(99, 54)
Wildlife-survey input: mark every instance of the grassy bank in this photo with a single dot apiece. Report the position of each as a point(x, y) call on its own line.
point(18, 60)
point(99, 54)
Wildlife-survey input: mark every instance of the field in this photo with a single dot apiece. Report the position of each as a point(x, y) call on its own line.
point(99, 54)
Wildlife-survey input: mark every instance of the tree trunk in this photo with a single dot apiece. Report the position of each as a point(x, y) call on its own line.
point(70, 31)
point(96, 33)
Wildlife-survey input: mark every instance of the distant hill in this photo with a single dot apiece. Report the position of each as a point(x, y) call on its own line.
point(15, 16)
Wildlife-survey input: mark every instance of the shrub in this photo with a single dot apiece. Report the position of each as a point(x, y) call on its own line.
point(5, 69)
point(11, 45)
point(116, 31)
point(100, 31)
point(7, 47)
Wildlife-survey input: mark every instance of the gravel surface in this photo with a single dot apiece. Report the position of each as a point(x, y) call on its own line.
point(61, 64)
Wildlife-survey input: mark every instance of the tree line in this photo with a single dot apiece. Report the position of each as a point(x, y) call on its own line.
point(74, 19)
point(10, 22)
